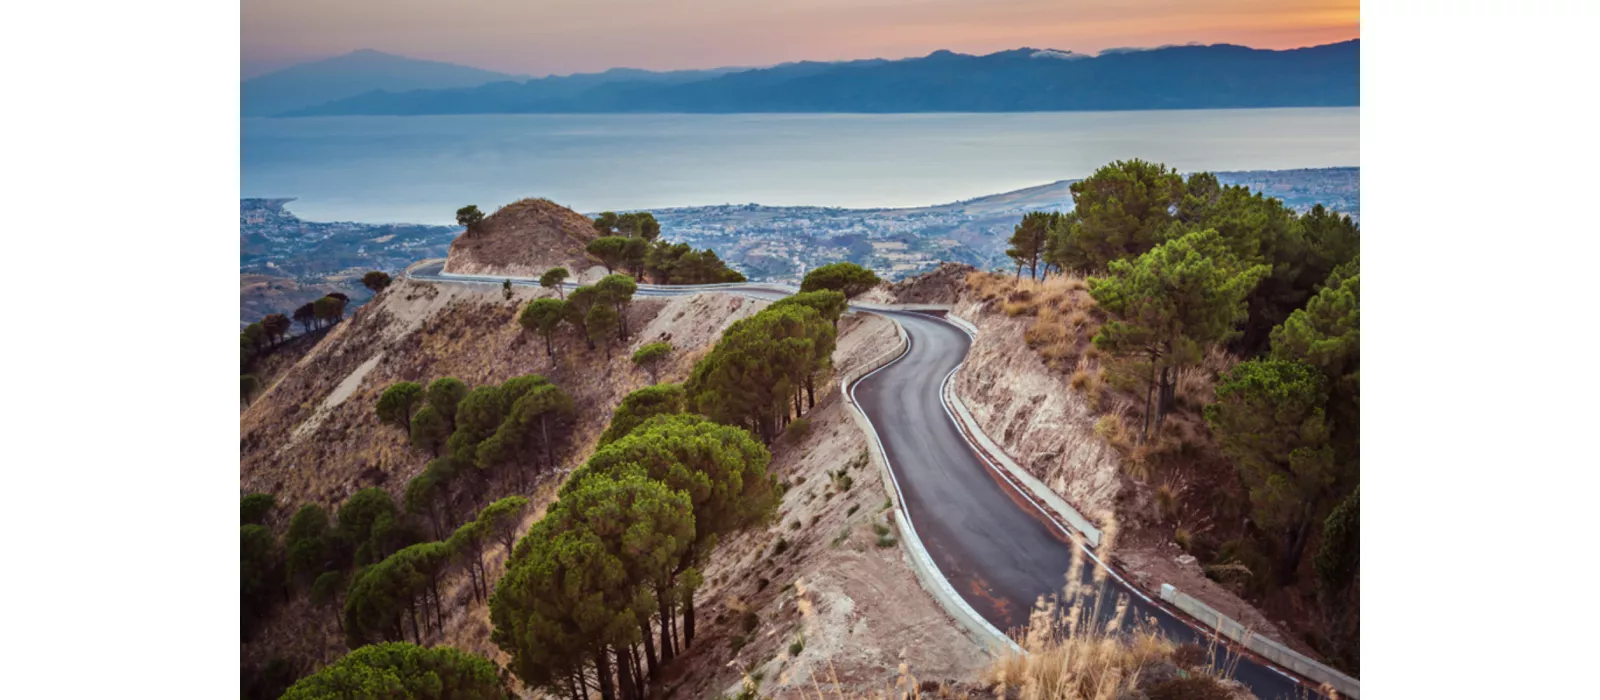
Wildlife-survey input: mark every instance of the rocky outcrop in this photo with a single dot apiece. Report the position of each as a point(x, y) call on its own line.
point(523, 239)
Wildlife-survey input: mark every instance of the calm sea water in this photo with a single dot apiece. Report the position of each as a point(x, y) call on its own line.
point(420, 169)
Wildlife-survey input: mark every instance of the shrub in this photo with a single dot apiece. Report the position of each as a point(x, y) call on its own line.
point(781, 547)
point(761, 584)
point(840, 479)
point(750, 621)
point(798, 429)
point(885, 541)
point(797, 646)
point(1184, 539)
point(794, 525)
point(254, 508)
point(852, 510)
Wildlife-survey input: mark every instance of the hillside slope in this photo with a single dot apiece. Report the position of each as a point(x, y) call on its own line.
point(314, 437)
point(523, 239)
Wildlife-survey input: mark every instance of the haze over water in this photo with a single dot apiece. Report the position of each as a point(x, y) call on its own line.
point(421, 169)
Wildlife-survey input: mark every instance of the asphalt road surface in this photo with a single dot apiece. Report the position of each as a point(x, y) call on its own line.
point(996, 549)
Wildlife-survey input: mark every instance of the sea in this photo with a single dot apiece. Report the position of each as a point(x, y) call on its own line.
point(421, 169)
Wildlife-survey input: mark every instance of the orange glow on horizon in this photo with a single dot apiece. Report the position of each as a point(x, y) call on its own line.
point(566, 36)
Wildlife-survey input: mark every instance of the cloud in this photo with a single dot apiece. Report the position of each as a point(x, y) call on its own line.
point(1057, 53)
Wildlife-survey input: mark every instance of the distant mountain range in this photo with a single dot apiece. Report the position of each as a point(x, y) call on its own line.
point(1026, 79)
point(318, 82)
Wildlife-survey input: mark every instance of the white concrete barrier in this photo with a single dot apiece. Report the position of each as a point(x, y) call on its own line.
point(1268, 649)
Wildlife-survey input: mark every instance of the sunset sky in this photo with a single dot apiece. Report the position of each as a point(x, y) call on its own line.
point(542, 37)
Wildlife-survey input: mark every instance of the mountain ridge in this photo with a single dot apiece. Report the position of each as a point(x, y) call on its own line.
point(1023, 79)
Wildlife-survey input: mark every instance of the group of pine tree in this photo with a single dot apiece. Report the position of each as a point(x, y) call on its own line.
point(1179, 265)
point(599, 594)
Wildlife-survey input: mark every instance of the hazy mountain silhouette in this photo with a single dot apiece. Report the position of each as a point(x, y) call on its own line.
point(354, 73)
point(1026, 79)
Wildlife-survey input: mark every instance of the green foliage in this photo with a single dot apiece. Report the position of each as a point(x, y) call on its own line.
point(444, 395)
point(1339, 556)
point(722, 468)
point(275, 326)
point(1028, 241)
point(1118, 213)
point(1269, 420)
point(641, 405)
point(544, 316)
point(248, 386)
point(640, 224)
point(553, 278)
point(260, 574)
point(601, 323)
point(367, 523)
point(650, 356)
point(588, 574)
point(1167, 305)
point(668, 263)
point(1327, 332)
point(618, 291)
point(828, 303)
point(478, 416)
point(401, 671)
point(611, 251)
point(376, 281)
point(578, 305)
point(328, 309)
point(429, 430)
point(396, 403)
point(501, 518)
point(253, 508)
point(846, 277)
point(760, 366)
point(538, 420)
point(470, 217)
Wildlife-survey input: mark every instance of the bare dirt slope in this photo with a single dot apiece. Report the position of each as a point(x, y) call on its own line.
point(523, 239)
point(817, 575)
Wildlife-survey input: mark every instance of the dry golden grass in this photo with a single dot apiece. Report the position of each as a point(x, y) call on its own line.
point(1073, 651)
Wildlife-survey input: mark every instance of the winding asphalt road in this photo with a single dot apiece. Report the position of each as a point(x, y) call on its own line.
point(999, 551)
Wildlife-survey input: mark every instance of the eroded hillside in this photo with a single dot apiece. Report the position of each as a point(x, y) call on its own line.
point(523, 239)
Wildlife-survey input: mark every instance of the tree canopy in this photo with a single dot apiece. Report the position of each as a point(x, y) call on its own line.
point(846, 277)
point(254, 508)
point(641, 405)
point(760, 367)
point(397, 403)
point(402, 671)
point(470, 217)
point(1117, 213)
point(1166, 306)
point(1269, 420)
point(376, 281)
point(1029, 239)
point(650, 356)
point(553, 278)
point(544, 316)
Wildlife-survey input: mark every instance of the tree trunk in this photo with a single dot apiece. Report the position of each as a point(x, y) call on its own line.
point(811, 380)
point(1294, 545)
point(688, 620)
point(649, 646)
point(602, 666)
point(549, 454)
point(625, 675)
point(665, 609)
point(438, 603)
point(416, 632)
point(1149, 392)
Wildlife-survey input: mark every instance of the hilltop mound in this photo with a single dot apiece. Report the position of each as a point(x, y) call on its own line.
point(523, 239)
